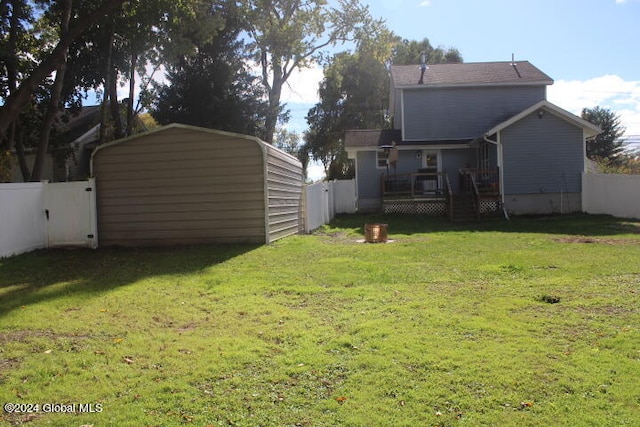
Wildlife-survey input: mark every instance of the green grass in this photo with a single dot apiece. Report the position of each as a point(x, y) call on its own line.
point(528, 322)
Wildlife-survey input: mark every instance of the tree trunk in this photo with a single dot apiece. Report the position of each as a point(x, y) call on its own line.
point(132, 87)
point(104, 111)
point(54, 102)
point(22, 160)
point(11, 64)
point(116, 116)
point(274, 105)
point(16, 102)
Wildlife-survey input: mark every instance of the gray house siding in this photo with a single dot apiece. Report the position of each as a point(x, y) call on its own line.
point(453, 160)
point(462, 112)
point(542, 156)
point(396, 113)
point(368, 175)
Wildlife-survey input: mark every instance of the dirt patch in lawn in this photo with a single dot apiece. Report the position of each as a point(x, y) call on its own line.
point(600, 240)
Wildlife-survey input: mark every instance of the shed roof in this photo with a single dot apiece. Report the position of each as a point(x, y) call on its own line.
point(264, 146)
point(470, 74)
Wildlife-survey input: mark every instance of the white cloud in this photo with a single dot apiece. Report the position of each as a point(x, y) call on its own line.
point(425, 3)
point(610, 91)
point(302, 86)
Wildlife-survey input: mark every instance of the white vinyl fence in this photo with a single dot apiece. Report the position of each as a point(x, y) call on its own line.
point(46, 215)
point(323, 200)
point(617, 195)
point(42, 215)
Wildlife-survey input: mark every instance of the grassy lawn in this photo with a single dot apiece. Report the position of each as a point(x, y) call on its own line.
point(528, 322)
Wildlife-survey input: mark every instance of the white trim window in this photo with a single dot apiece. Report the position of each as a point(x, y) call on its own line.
point(382, 158)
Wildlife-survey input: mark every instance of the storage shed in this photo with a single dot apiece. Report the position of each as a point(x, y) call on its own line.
point(181, 184)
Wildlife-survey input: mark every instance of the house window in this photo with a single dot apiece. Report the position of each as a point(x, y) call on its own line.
point(382, 155)
point(431, 160)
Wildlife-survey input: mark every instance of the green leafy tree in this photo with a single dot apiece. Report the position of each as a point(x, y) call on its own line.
point(288, 141)
point(51, 59)
point(39, 36)
point(213, 88)
point(607, 146)
point(145, 35)
point(290, 34)
point(407, 52)
point(354, 94)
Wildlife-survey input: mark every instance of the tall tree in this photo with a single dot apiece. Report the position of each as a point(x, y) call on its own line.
point(121, 50)
point(407, 52)
point(354, 94)
point(608, 145)
point(55, 106)
point(213, 88)
point(18, 56)
point(17, 100)
point(290, 34)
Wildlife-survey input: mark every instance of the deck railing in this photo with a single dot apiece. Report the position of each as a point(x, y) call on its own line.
point(415, 185)
point(487, 180)
point(476, 195)
point(449, 196)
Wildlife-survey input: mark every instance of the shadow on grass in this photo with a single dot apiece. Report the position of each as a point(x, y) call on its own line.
point(28, 279)
point(577, 224)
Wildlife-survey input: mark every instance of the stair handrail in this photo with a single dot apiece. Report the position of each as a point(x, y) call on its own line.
point(449, 195)
point(476, 195)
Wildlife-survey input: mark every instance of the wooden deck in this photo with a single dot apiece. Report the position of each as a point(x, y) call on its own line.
point(431, 194)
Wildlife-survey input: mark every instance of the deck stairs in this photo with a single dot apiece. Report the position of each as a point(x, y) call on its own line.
point(463, 207)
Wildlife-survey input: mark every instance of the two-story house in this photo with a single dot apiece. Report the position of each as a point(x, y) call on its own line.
point(471, 138)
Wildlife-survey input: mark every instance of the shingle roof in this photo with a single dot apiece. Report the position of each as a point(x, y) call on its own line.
point(371, 137)
point(471, 73)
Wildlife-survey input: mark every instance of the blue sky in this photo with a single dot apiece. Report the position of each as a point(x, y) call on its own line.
point(591, 48)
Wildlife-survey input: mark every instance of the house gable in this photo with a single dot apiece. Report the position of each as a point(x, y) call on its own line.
point(542, 155)
point(590, 130)
point(457, 101)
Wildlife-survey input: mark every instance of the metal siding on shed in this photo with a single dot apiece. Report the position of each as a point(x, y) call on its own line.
point(459, 113)
point(542, 156)
point(284, 194)
point(180, 185)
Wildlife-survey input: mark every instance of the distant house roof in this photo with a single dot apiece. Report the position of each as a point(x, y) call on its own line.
point(470, 74)
point(74, 124)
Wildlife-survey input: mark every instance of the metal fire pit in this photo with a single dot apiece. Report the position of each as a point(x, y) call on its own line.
point(375, 233)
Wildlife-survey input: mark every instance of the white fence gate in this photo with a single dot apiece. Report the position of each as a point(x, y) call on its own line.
point(617, 195)
point(40, 215)
point(323, 200)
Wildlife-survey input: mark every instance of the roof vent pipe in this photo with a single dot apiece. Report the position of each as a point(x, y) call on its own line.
point(423, 66)
point(515, 66)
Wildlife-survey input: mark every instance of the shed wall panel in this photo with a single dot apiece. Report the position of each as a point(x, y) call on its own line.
point(284, 194)
point(180, 185)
